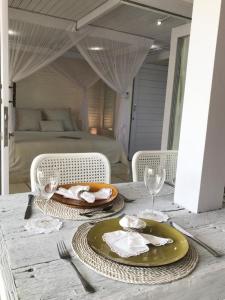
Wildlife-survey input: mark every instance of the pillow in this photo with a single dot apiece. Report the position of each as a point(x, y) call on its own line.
point(28, 119)
point(51, 126)
point(63, 115)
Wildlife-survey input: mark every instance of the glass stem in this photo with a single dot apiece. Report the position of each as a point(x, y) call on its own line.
point(153, 201)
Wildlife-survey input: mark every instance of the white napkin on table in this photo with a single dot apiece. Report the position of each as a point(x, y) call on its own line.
point(127, 244)
point(80, 192)
point(43, 225)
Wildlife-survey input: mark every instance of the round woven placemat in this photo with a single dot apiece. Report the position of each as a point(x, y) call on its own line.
point(129, 274)
point(59, 210)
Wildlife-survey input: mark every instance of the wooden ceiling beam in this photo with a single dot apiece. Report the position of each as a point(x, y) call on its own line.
point(98, 12)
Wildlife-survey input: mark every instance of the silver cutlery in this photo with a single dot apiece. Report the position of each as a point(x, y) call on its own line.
point(28, 211)
point(97, 211)
point(129, 200)
point(100, 220)
point(194, 238)
point(172, 210)
point(169, 183)
point(126, 199)
point(64, 254)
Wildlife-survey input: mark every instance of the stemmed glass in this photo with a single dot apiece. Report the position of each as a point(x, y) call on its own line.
point(47, 182)
point(154, 179)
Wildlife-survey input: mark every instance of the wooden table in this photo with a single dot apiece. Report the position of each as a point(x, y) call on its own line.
point(32, 269)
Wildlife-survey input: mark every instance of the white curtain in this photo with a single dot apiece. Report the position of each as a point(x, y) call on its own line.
point(116, 58)
point(81, 74)
point(33, 44)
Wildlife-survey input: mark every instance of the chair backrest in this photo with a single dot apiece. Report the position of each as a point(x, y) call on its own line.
point(166, 159)
point(73, 167)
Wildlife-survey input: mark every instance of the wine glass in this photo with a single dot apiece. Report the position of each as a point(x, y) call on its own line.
point(47, 182)
point(154, 178)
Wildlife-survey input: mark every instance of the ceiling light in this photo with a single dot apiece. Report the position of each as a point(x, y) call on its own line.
point(96, 48)
point(12, 32)
point(154, 47)
point(159, 22)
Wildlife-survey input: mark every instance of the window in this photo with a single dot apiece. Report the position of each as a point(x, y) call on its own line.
point(109, 110)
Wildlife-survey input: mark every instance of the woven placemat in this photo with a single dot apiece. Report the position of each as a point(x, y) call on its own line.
point(129, 274)
point(60, 210)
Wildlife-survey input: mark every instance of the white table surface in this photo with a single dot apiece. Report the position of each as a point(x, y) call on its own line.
point(33, 270)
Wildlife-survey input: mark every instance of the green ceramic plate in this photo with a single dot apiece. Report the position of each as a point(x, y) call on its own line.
point(156, 256)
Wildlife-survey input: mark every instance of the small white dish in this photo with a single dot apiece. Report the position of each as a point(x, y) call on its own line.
point(132, 222)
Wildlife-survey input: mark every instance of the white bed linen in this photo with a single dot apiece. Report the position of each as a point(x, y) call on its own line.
point(26, 145)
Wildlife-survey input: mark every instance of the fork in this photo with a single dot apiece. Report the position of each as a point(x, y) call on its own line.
point(97, 211)
point(64, 254)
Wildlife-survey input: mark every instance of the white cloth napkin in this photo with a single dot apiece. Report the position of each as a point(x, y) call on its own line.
point(43, 225)
point(127, 244)
point(103, 193)
point(154, 215)
point(132, 222)
point(73, 192)
point(80, 192)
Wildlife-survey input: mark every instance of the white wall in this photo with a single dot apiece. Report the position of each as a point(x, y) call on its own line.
point(49, 89)
point(201, 160)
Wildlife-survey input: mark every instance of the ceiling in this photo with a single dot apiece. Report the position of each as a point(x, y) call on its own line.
point(125, 18)
point(68, 9)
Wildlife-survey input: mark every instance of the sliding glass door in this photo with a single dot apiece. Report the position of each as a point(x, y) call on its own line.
point(175, 87)
point(178, 92)
point(4, 97)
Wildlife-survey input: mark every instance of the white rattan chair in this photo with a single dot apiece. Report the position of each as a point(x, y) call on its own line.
point(166, 159)
point(73, 167)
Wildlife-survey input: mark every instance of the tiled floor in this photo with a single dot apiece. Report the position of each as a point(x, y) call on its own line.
point(120, 173)
point(18, 188)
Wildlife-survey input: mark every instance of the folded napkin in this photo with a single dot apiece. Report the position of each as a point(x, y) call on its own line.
point(154, 215)
point(73, 192)
point(81, 192)
point(127, 244)
point(132, 222)
point(43, 225)
point(103, 193)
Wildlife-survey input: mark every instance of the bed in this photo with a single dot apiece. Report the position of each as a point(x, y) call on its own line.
point(28, 144)
point(53, 130)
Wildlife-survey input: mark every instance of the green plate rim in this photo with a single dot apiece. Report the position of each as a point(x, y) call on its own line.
point(118, 259)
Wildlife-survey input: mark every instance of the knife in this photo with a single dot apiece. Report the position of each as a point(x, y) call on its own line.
point(194, 238)
point(169, 183)
point(126, 199)
point(28, 211)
